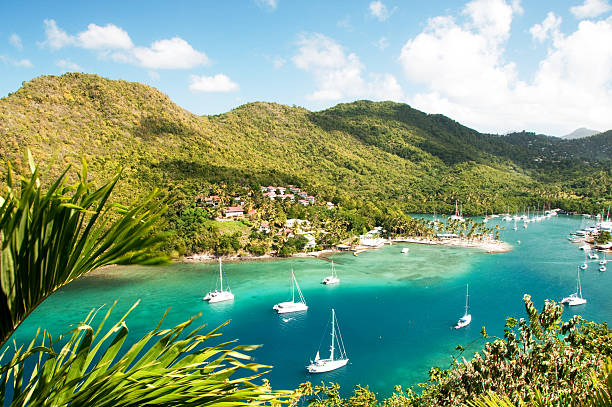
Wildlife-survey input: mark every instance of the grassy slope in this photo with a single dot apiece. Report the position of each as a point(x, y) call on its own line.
point(357, 151)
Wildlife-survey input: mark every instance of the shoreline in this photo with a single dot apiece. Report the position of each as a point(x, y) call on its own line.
point(209, 257)
point(489, 246)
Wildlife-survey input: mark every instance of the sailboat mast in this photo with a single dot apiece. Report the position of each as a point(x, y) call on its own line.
point(333, 334)
point(292, 286)
point(579, 288)
point(467, 297)
point(220, 274)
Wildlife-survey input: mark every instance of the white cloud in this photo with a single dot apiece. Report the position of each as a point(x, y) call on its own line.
point(380, 11)
point(19, 63)
point(15, 41)
point(382, 43)
point(56, 37)
point(516, 7)
point(67, 65)
point(338, 75)
point(217, 83)
point(590, 9)
point(346, 24)
point(490, 18)
point(267, 4)
point(466, 76)
point(278, 62)
point(104, 38)
point(549, 27)
point(115, 43)
point(175, 53)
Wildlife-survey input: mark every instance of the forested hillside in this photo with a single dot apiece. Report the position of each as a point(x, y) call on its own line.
point(383, 154)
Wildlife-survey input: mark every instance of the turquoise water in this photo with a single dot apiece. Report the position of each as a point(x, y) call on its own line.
point(395, 311)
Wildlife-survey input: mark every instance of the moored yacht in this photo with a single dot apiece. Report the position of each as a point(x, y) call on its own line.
point(458, 216)
point(466, 319)
point(593, 256)
point(292, 306)
point(333, 278)
point(219, 295)
point(575, 298)
point(334, 361)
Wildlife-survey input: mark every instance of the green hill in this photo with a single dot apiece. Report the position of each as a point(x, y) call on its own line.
point(384, 153)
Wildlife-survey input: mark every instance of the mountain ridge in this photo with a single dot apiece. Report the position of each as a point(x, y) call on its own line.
point(580, 133)
point(384, 152)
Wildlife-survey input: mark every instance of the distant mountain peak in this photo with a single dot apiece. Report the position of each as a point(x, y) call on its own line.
point(580, 133)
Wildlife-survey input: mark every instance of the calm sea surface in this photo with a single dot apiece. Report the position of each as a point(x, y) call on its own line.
point(395, 310)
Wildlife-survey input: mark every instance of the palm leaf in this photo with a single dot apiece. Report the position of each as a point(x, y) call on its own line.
point(48, 238)
point(166, 367)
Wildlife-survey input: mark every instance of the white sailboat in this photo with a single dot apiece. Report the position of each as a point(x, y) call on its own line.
point(319, 365)
point(333, 278)
point(292, 306)
point(467, 317)
point(457, 216)
point(221, 294)
point(575, 298)
point(585, 265)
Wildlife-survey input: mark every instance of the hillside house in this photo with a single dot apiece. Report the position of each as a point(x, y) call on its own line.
point(213, 201)
point(303, 202)
point(233, 212)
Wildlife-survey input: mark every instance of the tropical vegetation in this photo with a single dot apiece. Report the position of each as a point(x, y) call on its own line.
point(52, 235)
point(368, 159)
point(540, 361)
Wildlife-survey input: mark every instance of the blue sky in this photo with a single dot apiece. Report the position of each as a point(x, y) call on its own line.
point(494, 65)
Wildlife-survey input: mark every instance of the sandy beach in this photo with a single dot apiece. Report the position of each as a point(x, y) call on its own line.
point(204, 257)
point(490, 246)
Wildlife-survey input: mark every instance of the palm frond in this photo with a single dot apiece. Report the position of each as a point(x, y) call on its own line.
point(166, 367)
point(49, 238)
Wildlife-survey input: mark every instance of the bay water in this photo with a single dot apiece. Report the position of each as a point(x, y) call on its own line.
point(395, 310)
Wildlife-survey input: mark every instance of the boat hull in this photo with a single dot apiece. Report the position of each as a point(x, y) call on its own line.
point(287, 307)
point(464, 321)
point(573, 300)
point(326, 365)
point(330, 280)
point(218, 296)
